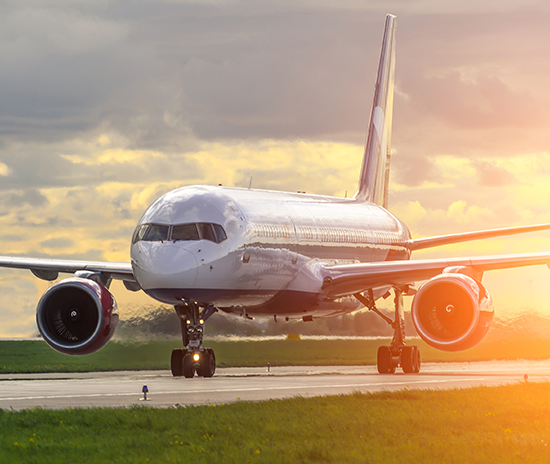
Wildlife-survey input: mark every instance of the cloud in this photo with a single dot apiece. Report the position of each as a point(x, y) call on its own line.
point(479, 102)
point(57, 243)
point(414, 170)
point(104, 106)
point(491, 175)
point(30, 197)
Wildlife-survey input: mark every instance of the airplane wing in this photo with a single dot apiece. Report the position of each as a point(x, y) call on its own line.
point(430, 242)
point(48, 269)
point(347, 279)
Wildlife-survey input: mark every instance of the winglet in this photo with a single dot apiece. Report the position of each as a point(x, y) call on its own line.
point(375, 171)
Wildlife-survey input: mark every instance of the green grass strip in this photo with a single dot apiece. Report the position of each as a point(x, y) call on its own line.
point(509, 424)
point(37, 356)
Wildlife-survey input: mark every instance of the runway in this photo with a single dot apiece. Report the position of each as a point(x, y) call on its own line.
point(124, 388)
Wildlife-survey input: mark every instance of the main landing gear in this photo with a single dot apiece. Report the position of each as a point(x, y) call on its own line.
point(194, 357)
point(397, 354)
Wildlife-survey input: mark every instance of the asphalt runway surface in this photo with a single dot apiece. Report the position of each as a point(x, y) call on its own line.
point(124, 388)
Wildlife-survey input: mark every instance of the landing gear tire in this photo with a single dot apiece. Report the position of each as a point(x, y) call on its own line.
point(176, 362)
point(408, 359)
point(188, 366)
point(208, 363)
point(384, 360)
point(397, 354)
point(417, 361)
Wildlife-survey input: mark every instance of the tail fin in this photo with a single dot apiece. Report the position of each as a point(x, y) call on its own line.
point(375, 171)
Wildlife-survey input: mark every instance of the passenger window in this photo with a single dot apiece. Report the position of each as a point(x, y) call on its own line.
point(156, 233)
point(140, 232)
point(220, 233)
point(207, 232)
point(185, 232)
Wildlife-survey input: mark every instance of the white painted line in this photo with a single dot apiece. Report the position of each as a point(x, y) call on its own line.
point(237, 390)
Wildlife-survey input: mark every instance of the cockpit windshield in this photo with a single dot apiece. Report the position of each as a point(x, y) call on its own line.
point(157, 233)
point(161, 232)
point(185, 232)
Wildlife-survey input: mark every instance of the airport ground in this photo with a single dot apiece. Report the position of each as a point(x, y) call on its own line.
point(311, 415)
point(36, 356)
point(477, 411)
point(125, 388)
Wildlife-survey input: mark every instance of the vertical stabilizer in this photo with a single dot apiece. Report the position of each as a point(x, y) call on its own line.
point(375, 171)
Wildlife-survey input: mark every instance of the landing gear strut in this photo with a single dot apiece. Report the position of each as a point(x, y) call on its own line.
point(194, 357)
point(398, 353)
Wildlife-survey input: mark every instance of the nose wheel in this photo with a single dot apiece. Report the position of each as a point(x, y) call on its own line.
point(193, 358)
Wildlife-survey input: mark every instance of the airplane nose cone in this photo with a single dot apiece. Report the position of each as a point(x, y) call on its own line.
point(163, 265)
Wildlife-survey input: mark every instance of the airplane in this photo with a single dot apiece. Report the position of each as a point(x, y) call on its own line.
point(284, 255)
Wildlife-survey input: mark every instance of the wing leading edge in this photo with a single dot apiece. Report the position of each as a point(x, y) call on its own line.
point(48, 269)
point(430, 242)
point(347, 279)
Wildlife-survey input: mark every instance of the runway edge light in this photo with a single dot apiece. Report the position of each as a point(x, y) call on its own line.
point(144, 390)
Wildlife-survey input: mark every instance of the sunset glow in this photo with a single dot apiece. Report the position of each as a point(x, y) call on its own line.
point(105, 108)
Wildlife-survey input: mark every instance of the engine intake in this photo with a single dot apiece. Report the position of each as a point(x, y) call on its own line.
point(77, 316)
point(452, 312)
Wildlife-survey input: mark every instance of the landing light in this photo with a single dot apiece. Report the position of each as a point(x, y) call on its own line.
point(201, 321)
point(196, 357)
point(188, 322)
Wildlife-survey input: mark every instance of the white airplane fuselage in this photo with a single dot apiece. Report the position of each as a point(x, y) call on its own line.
point(276, 247)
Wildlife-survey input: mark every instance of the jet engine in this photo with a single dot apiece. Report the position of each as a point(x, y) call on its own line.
point(452, 312)
point(77, 316)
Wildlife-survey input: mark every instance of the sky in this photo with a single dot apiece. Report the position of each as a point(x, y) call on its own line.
point(106, 105)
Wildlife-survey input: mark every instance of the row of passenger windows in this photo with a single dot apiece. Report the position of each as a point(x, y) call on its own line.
point(326, 234)
point(162, 232)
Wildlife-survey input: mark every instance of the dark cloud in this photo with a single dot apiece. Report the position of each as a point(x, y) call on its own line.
point(164, 74)
point(88, 255)
point(414, 170)
point(52, 221)
point(483, 103)
point(228, 71)
point(491, 175)
point(57, 243)
point(13, 238)
point(30, 197)
point(32, 168)
point(126, 232)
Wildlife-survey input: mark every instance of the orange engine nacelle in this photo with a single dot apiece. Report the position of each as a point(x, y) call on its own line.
point(452, 312)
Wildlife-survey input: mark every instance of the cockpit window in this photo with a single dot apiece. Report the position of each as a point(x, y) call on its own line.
point(185, 232)
point(160, 232)
point(220, 233)
point(207, 232)
point(157, 233)
point(140, 232)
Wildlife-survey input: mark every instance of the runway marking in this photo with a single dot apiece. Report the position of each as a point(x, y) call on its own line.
point(236, 390)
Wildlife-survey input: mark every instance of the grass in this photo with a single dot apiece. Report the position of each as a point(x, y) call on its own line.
point(37, 356)
point(479, 425)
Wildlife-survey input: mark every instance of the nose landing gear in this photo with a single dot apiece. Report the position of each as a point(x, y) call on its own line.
point(193, 358)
